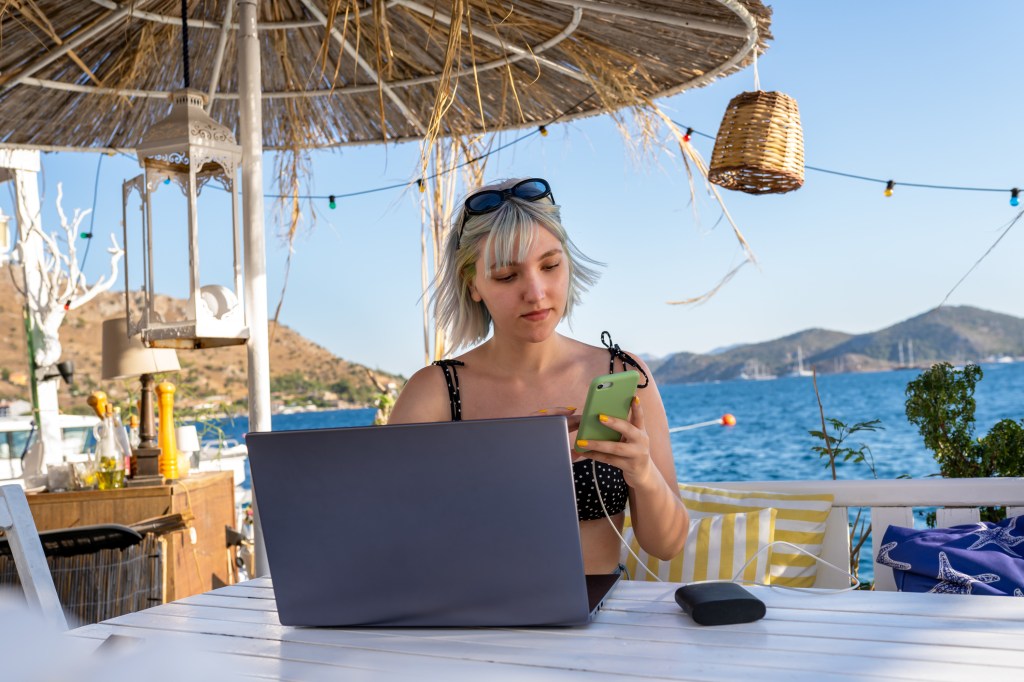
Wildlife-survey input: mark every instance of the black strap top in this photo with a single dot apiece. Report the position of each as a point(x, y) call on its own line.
point(614, 490)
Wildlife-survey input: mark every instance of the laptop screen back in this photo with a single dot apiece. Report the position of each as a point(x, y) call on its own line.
point(444, 524)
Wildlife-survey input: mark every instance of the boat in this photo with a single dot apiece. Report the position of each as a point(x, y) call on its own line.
point(757, 372)
point(799, 370)
point(17, 434)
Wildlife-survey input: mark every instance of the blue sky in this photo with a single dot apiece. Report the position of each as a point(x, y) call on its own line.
point(923, 92)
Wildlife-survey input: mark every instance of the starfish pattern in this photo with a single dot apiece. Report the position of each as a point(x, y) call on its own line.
point(952, 581)
point(886, 560)
point(1001, 537)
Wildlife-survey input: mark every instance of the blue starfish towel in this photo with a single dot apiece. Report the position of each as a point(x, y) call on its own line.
point(975, 558)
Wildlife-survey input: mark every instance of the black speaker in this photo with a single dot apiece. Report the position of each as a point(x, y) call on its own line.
point(719, 603)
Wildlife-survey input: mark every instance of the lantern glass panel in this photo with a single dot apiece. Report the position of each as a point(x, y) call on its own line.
point(216, 239)
point(170, 273)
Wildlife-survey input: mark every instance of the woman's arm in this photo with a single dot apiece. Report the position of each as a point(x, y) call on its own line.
point(644, 454)
point(423, 399)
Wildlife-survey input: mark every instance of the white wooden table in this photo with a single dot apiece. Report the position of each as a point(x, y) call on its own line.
point(640, 633)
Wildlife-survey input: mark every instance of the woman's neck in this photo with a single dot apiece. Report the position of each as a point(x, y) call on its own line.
point(520, 358)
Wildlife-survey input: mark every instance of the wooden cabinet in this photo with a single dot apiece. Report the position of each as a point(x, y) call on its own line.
point(189, 567)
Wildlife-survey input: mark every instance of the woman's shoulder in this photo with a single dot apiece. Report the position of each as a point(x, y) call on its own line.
point(424, 398)
point(620, 359)
point(606, 348)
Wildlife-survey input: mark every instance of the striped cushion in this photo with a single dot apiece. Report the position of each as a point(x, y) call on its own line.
point(801, 521)
point(716, 549)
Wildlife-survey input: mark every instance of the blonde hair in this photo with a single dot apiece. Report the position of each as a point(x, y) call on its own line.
point(507, 233)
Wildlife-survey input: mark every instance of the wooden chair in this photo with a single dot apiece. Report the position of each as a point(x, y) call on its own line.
point(33, 572)
point(892, 503)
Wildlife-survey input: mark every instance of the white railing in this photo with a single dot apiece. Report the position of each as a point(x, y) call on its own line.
point(892, 503)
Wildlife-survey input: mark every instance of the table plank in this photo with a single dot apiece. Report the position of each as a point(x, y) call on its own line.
point(640, 634)
point(852, 617)
point(984, 607)
point(314, 662)
point(598, 650)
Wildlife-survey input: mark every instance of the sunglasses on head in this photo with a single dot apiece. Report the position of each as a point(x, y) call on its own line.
point(490, 200)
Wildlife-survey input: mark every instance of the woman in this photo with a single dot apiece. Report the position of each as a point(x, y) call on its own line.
point(509, 265)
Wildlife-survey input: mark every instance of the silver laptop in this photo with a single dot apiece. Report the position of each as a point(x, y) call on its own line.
point(468, 523)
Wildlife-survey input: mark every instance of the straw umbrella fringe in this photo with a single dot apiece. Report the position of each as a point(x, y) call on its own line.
point(352, 72)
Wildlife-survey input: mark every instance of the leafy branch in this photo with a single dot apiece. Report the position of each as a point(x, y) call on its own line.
point(833, 449)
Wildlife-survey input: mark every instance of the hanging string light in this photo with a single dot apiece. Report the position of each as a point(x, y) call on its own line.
point(687, 137)
point(331, 203)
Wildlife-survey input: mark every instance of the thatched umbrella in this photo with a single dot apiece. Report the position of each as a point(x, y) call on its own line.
point(96, 74)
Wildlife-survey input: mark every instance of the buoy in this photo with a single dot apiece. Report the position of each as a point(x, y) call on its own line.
point(725, 420)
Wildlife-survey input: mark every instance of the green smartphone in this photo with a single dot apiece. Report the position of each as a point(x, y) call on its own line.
point(609, 394)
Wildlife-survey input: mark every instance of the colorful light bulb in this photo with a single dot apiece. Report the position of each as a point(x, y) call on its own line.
point(543, 131)
point(331, 203)
point(688, 135)
point(1014, 197)
point(888, 188)
point(422, 185)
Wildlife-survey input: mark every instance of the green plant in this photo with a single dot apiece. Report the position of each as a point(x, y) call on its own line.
point(940, 402)
point(832, 448)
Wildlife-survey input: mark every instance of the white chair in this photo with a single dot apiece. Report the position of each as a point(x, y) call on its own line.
point(20, 531)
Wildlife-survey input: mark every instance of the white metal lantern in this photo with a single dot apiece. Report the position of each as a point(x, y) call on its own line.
point(188, 149)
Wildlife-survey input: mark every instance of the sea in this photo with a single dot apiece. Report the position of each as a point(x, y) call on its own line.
point(770, 439)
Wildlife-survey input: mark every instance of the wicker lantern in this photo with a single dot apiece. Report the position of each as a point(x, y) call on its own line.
point(760, 145)
point(189, 149)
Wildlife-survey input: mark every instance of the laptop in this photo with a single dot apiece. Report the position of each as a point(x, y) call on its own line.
point(451, 524)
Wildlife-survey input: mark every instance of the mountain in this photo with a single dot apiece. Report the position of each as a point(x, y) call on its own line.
point(955, 334)
point(301, 371)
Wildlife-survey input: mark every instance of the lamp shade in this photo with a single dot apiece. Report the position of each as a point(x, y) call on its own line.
point(187, 438)
point(128, 357)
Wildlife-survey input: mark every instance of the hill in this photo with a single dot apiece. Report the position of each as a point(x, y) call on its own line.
point(955, 334)
point(302, 372)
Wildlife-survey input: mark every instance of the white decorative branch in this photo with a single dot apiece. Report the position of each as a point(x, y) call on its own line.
point(62, 285)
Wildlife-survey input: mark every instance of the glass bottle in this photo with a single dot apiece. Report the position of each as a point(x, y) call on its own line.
point(133, 431)
point(109, 457)
point(121, 435)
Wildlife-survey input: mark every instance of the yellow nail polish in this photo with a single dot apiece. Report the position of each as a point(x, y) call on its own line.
point(582, 443)
point(571, 407)
point(542, 411)
point(636, 399)
point(602, 417)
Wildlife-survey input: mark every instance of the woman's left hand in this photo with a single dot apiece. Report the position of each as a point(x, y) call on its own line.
point(632, 454)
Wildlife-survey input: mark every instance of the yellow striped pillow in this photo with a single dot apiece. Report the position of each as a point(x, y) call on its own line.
point(716, 548)
point(801, 521)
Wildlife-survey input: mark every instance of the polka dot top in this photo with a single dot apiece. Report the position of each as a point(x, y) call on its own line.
point(614, 490)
